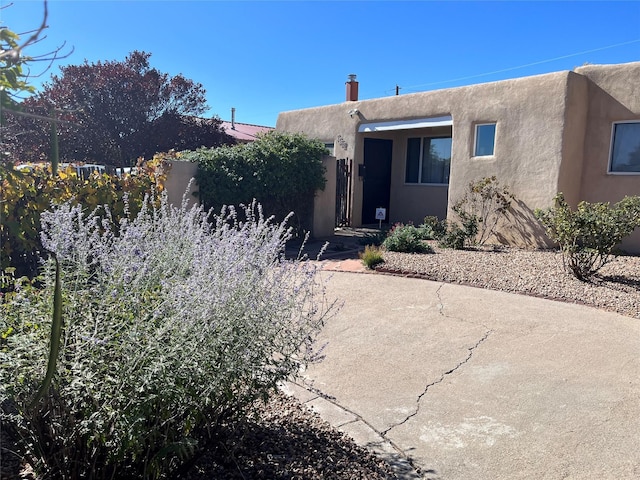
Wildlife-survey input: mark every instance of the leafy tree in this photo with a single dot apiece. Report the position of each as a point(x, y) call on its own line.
point(280, 170)
point(15, 70)
point(181, 132)
point(113, 112)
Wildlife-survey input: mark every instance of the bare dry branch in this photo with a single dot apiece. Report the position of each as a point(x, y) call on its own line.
point(15, 52)
point(42, 117)
point(35, 38)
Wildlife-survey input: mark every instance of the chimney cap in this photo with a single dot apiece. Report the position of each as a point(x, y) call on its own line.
point(352, 77)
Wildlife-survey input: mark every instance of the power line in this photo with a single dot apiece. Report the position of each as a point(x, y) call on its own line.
point(522, 66)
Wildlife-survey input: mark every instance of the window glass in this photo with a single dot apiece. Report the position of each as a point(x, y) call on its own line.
point(625, 149)
point(485, 139)
point(413, 160)
point(428, 160)
point(436, 160)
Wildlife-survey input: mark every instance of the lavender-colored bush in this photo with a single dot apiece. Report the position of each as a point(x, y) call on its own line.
point(174, 322)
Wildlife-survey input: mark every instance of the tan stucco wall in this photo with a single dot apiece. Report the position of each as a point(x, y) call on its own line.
point(575, 122)
point(178, 180)
point(324, 204)
point(529, 116)
point(614, 95)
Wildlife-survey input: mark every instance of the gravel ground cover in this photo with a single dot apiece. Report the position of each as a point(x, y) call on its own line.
point(540, 273)
point(287, 441)
point(283, 441)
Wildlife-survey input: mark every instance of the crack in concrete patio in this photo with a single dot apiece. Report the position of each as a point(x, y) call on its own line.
point(384, 434)
point(403, 464)
point(436, 382)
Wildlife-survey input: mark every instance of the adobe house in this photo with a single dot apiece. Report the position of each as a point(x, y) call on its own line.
point(576, 132)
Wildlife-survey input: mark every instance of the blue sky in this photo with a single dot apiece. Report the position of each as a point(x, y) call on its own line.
point(266, 57)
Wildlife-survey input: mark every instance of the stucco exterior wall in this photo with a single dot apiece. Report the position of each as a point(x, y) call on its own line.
point(324, 203)
point(529, 117)
point(614, 95)
point(573, 137)
point(178, 180)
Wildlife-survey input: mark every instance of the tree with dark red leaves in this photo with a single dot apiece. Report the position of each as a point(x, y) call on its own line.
point(114, 112)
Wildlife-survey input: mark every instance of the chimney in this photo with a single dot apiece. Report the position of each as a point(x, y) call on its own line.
point(352, 89)
point(233, 118)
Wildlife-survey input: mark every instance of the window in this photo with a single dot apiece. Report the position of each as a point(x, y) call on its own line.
point(428, 160)
point(331, 148)
point(485, 139)
point(625, 148)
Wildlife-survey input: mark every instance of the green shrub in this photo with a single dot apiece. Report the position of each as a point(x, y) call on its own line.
point(587, 236)
point(406, 239)
point(458, 237)
point(172, 326)
point(280, 170)
point(371, 256)
point(453, 235)
point(478, 214)
point(432, 228)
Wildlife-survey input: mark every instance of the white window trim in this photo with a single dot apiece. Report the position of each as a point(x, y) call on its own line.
point(613, 131)
point(475, 139)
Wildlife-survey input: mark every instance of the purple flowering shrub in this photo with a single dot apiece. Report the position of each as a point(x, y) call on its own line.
point(174, 323)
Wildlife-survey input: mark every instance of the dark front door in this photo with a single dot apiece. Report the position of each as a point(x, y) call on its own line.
point(377, 178)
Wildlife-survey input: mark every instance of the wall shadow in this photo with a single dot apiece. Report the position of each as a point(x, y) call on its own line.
point(521, 228)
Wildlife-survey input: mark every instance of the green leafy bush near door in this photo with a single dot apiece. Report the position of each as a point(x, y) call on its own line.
point(407, 239)
point(280, 170)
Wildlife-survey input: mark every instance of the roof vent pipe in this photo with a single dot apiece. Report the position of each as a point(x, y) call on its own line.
point(352, 88)
point(233, 118)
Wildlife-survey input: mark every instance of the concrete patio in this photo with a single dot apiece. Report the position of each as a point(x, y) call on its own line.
point(453, 382)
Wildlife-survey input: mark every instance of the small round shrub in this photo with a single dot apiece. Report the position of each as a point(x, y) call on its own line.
point(406, 239)
point(588, 235)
